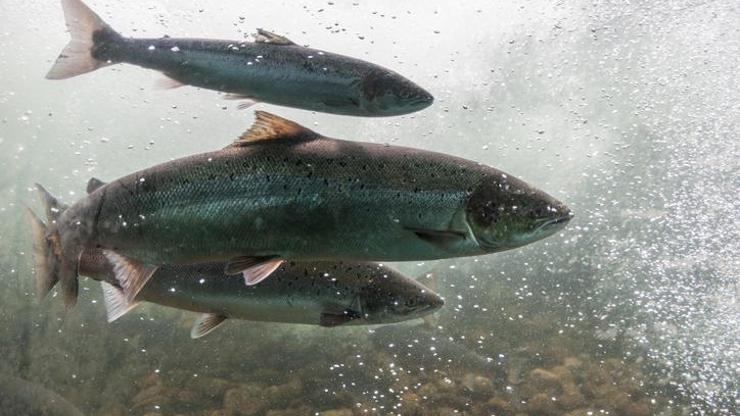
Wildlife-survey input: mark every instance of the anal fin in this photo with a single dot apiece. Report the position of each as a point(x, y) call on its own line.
point(254, 269)
point(131, 275)
point(116, 304)
point(205, 324)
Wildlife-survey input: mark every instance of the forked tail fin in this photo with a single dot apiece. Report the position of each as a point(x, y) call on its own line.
point(52, 205)
point(89, 32)
point(45, 260)
point(54, 263)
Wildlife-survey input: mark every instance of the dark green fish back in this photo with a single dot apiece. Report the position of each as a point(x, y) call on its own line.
point(311, 197)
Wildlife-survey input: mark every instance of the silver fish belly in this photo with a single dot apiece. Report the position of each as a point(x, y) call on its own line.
point(317, 293)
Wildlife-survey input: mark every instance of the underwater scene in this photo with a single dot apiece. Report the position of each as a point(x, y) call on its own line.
point(346, 208)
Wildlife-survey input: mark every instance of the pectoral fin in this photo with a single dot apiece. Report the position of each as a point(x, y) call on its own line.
point(341, 102)
point(441, 238)
point(254, 269)
point(205, 324)
point(131, 275)
point(116, 304)
point(331, 320)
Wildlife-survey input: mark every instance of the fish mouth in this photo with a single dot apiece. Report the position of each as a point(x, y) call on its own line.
point(561, 220)
point(436, 304)
point(557, 223)
point(432, 304)
point(423, 100)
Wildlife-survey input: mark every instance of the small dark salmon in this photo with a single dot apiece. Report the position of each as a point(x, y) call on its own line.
point(283, 192)
point(316, 293)
point(272, 70)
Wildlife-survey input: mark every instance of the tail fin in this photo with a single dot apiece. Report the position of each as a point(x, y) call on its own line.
point(52, 206)
point(45, 260)
point(60, 265)
point(85, 28)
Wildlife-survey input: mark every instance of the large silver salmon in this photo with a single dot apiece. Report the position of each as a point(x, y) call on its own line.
point(283, 192)
point(273, 69)
point(325, 293)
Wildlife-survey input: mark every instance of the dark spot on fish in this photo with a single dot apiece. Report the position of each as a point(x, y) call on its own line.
point(308, 66)
point(374, 84)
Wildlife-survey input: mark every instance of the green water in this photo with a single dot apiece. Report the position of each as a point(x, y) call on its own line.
point(627, 112)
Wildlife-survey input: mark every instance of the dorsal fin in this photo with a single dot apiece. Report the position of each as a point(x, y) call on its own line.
point(93, 184)
point(263, 36)
point(271, 127)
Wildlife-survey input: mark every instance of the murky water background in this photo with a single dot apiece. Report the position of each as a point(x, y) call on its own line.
point(627, 112)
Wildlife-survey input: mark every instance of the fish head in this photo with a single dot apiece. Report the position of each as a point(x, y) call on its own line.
point(386, 93)
point(505, 212)
point(396, 298)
